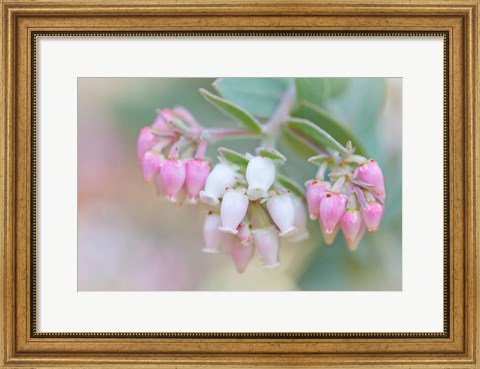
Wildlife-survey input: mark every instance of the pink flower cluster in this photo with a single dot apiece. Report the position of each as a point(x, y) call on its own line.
point(251, 212)
point(352, 200)
point(250, 209)
point(159, 148)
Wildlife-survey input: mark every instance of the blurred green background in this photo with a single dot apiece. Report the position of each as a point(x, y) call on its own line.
point(130, 240)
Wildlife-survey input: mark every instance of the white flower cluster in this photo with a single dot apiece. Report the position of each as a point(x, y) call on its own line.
point(254, 212)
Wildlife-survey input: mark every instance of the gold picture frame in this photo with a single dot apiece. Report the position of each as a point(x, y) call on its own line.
point(24, 21)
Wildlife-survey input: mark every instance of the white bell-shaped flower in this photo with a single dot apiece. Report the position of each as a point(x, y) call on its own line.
point(221, 177)
point(260, 176)
point(300, 220)
point(282, 211)
point(233, 210)
point(211, 234)
point(267, 243)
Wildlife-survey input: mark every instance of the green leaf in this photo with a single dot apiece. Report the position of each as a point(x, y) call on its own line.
point(259, 96)
point(233, 111)
point(310, 132)
point(326, 122)
point(233, 157)
point(338, 86)
point(290, 185)
point(364, 102)
point(311, 89)
point(319, 90)
point(360, 108)
point(271, 154)
point(294, 144)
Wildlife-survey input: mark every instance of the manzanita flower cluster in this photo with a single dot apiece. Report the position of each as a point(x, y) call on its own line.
point(352, 199)
point(165, 152)
point(252, 204)
point(252, 212)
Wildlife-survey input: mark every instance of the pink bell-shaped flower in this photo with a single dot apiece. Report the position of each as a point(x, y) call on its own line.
point(267, 243)
point(233, 210)
point(196, 175)
point(332, 208)
point(300, 221)
point(173, 174)
point(245, 233)
point(146, 140)
point(372, 215)
point(371, 173)
point(221, 177)
point(241, 255)
point(282, 211)
point(352, 245)
point(260, 176)
point(314, 191)
point(351, 223)
point(329, 238)
point(211, 235)
point(150, 165)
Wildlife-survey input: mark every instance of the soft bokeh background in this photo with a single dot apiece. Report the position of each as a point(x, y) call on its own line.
point(130, 240)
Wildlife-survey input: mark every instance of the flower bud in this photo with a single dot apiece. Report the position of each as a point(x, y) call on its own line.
point(211, 234)
point(185, 115)
point(329, 238)
point(300, 220)
point(173, 175)
point(260, 177)
point(146, 140)
point(245, 233)
point(372, 214)
point(352, 246)
point(150, 165)
point(315, 190)
point(371, 173)
point(267, 243)
point(196, 175)
point(168, 115)
point(221, 177)
point(233, 210)
point(160, 123)
point(351, 223)
point(241, 255)
point(282, 211)
point(332, 208)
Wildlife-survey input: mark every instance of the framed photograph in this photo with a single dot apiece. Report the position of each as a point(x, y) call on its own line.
point(217, 184)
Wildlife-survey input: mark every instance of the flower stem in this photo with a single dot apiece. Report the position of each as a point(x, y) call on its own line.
point(258, 216)
point(338, 184)
point(321, 171)
point(201, 149)
point(215, 134)
point(174, 150)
